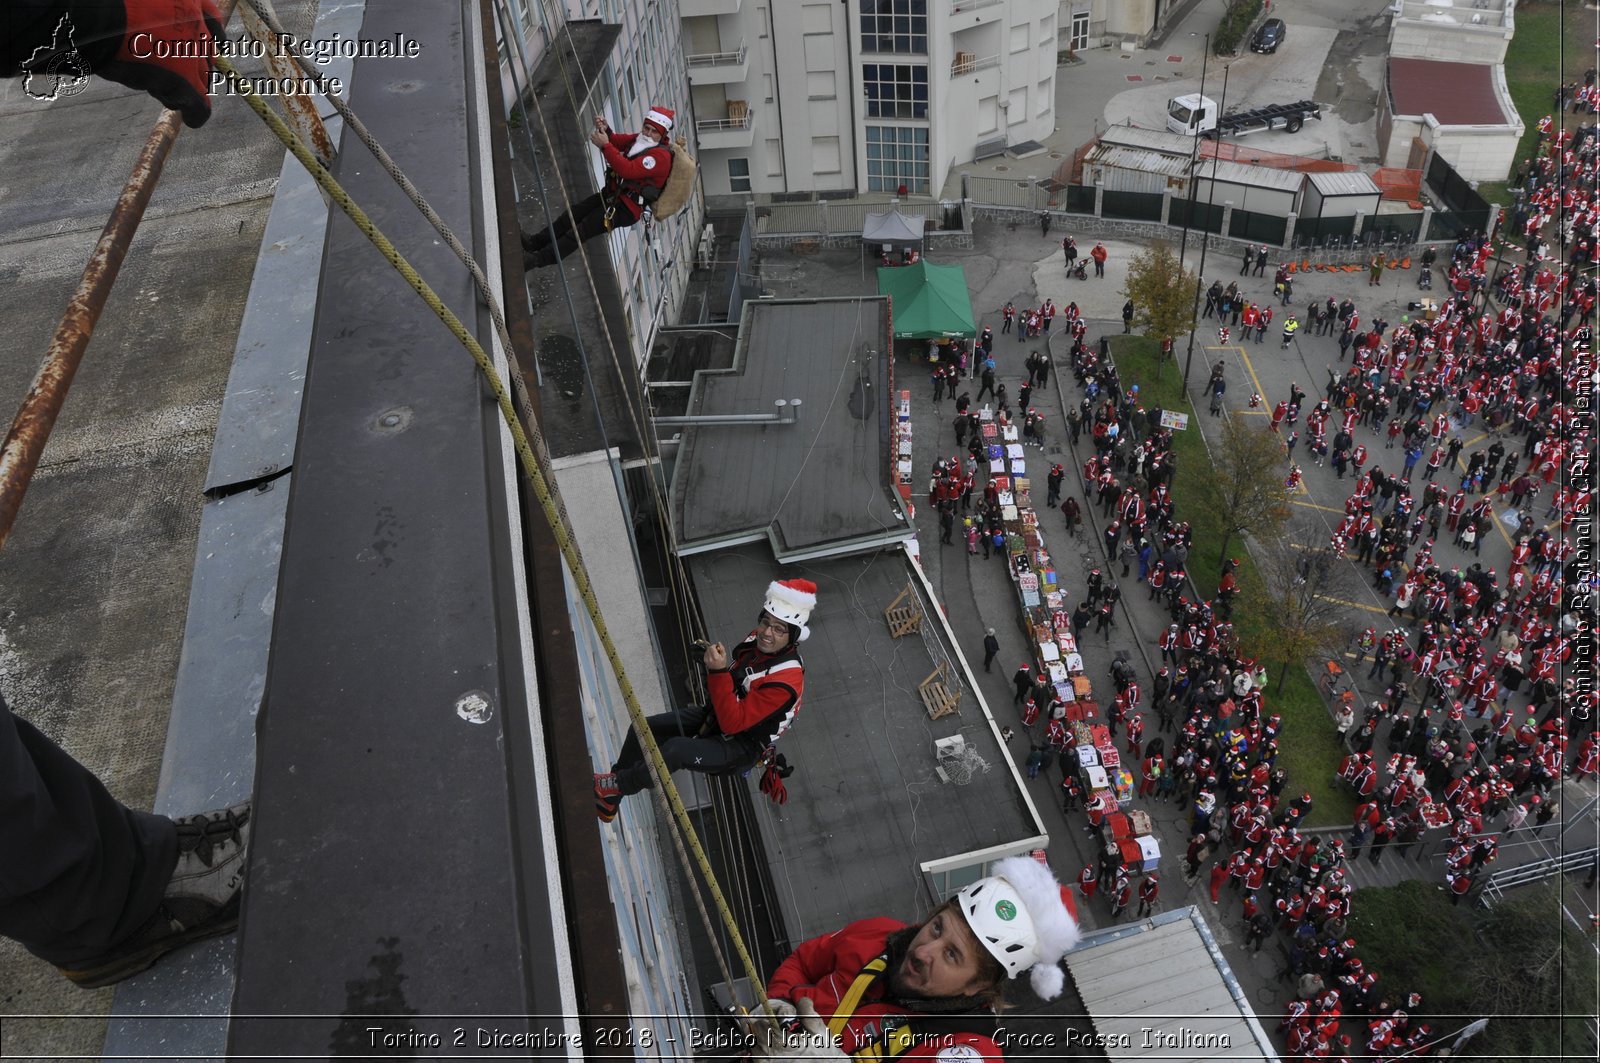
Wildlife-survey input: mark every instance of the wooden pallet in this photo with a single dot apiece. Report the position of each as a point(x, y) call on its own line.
point(936, 692)
point(904, 614)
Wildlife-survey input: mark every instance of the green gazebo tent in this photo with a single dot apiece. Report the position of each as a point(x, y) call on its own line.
point(928, 301)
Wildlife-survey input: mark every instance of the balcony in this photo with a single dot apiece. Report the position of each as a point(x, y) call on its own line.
point(696, 8)
point(969, 63)
point(719, 68)
point(966, 13)
point(738, 130)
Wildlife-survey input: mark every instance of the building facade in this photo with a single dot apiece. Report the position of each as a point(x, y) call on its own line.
point(871, 96)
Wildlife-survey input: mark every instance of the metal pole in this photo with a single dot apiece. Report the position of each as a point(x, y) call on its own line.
point(30, 429)
point(1211, 198)
point(1188, 216)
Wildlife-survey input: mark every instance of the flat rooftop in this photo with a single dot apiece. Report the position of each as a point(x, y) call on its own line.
point(867, 806)
point(818, 485)
point(1161, 989)
point(1454, 93)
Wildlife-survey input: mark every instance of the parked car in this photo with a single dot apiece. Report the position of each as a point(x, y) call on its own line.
point(1269, 36)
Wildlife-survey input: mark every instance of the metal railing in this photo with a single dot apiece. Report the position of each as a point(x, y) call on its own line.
point(1523, 874)
point(713, 59)
point(723, 125)
point(967, 64)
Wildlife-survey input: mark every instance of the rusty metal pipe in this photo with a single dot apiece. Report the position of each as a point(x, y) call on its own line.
point(30, 429)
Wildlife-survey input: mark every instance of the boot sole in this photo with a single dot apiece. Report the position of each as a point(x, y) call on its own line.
point(112, 971)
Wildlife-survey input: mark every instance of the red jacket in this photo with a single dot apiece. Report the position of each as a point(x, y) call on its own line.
point(824, 968)
point(758, 694)
point(628, 178)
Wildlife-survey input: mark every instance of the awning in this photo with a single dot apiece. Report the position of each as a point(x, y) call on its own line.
point(928, 301)
point(892, 227)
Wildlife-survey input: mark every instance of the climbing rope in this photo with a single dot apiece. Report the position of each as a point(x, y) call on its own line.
point(535, 462)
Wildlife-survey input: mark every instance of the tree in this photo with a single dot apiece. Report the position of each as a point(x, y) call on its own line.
point(1162, 292)
point(1247, 489)
point(1297, 608)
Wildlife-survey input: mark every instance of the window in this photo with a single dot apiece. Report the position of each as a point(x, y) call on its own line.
point(897, 155)
point(738, 175)
point(895, 91)
point(899, 27)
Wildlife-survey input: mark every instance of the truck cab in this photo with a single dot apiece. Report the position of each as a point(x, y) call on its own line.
point(1192, 114)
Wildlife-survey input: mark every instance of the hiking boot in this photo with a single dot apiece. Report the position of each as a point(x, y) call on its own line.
point(607, 798)
point(201, 899)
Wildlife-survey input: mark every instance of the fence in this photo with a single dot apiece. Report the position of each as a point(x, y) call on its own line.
point(1028, 193)
point(1453, 190)
point(1206, 217)
point(1139, 213)
point(1321, 230)
point(746, 285)
point(1135, 206)
point(1453, 225)
point(1404, 227)
point(1253, 226)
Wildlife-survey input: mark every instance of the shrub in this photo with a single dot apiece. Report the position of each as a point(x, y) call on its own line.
point(1235, 24)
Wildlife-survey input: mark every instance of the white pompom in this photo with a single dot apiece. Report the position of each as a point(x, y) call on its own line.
point(1048, 980)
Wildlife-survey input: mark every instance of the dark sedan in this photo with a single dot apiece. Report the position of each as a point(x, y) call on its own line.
point(1269, 36)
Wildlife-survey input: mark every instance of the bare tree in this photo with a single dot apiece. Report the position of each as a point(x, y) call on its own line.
point(1247, 489)
point(1297, 609)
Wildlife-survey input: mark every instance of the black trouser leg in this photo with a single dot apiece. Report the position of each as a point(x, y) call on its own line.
point(675, 733)
point(80, 871)
point(584, 222)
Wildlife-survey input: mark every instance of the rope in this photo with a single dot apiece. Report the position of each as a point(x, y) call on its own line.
point(534, 466)
point(685, 608)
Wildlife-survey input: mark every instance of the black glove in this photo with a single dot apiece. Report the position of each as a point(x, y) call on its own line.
point(132, 42)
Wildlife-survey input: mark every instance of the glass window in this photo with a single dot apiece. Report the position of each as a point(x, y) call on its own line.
point(897, 155)
point(895, 91)
point(739, 175)
point(898, 27)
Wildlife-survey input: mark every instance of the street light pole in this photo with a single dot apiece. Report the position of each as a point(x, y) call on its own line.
point(1188, 216)
point(1211, 198)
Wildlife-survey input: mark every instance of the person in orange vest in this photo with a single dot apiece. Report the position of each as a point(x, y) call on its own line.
point(1099, 254)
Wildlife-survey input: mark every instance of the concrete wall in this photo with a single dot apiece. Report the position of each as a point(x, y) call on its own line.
point(1448, 42)
point(1403, 129)
point(1464, 31)
point(1479, 153)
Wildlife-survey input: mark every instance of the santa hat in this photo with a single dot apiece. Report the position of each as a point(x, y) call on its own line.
point(791, 600)
point(1020, 915)
point(661, 118)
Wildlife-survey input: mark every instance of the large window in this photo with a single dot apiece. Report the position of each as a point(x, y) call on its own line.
point(899, 27)
point(895, 91)
point(897, 155)
point(739, 175)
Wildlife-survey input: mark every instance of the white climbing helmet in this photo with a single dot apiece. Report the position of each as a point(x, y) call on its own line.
point(1020, 915)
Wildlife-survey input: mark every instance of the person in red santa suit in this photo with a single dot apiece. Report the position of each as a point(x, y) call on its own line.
point(637, 167)
point(879, 988)
point(755, 695)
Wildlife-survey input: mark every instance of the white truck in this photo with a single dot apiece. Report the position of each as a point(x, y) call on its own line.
point(1197, 115)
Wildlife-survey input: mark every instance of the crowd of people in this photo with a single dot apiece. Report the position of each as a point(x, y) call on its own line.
point(1477, 711)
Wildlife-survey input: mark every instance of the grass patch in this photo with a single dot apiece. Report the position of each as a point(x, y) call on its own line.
point(1310, 750)
point(1523, 964)
point(1550, 35)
